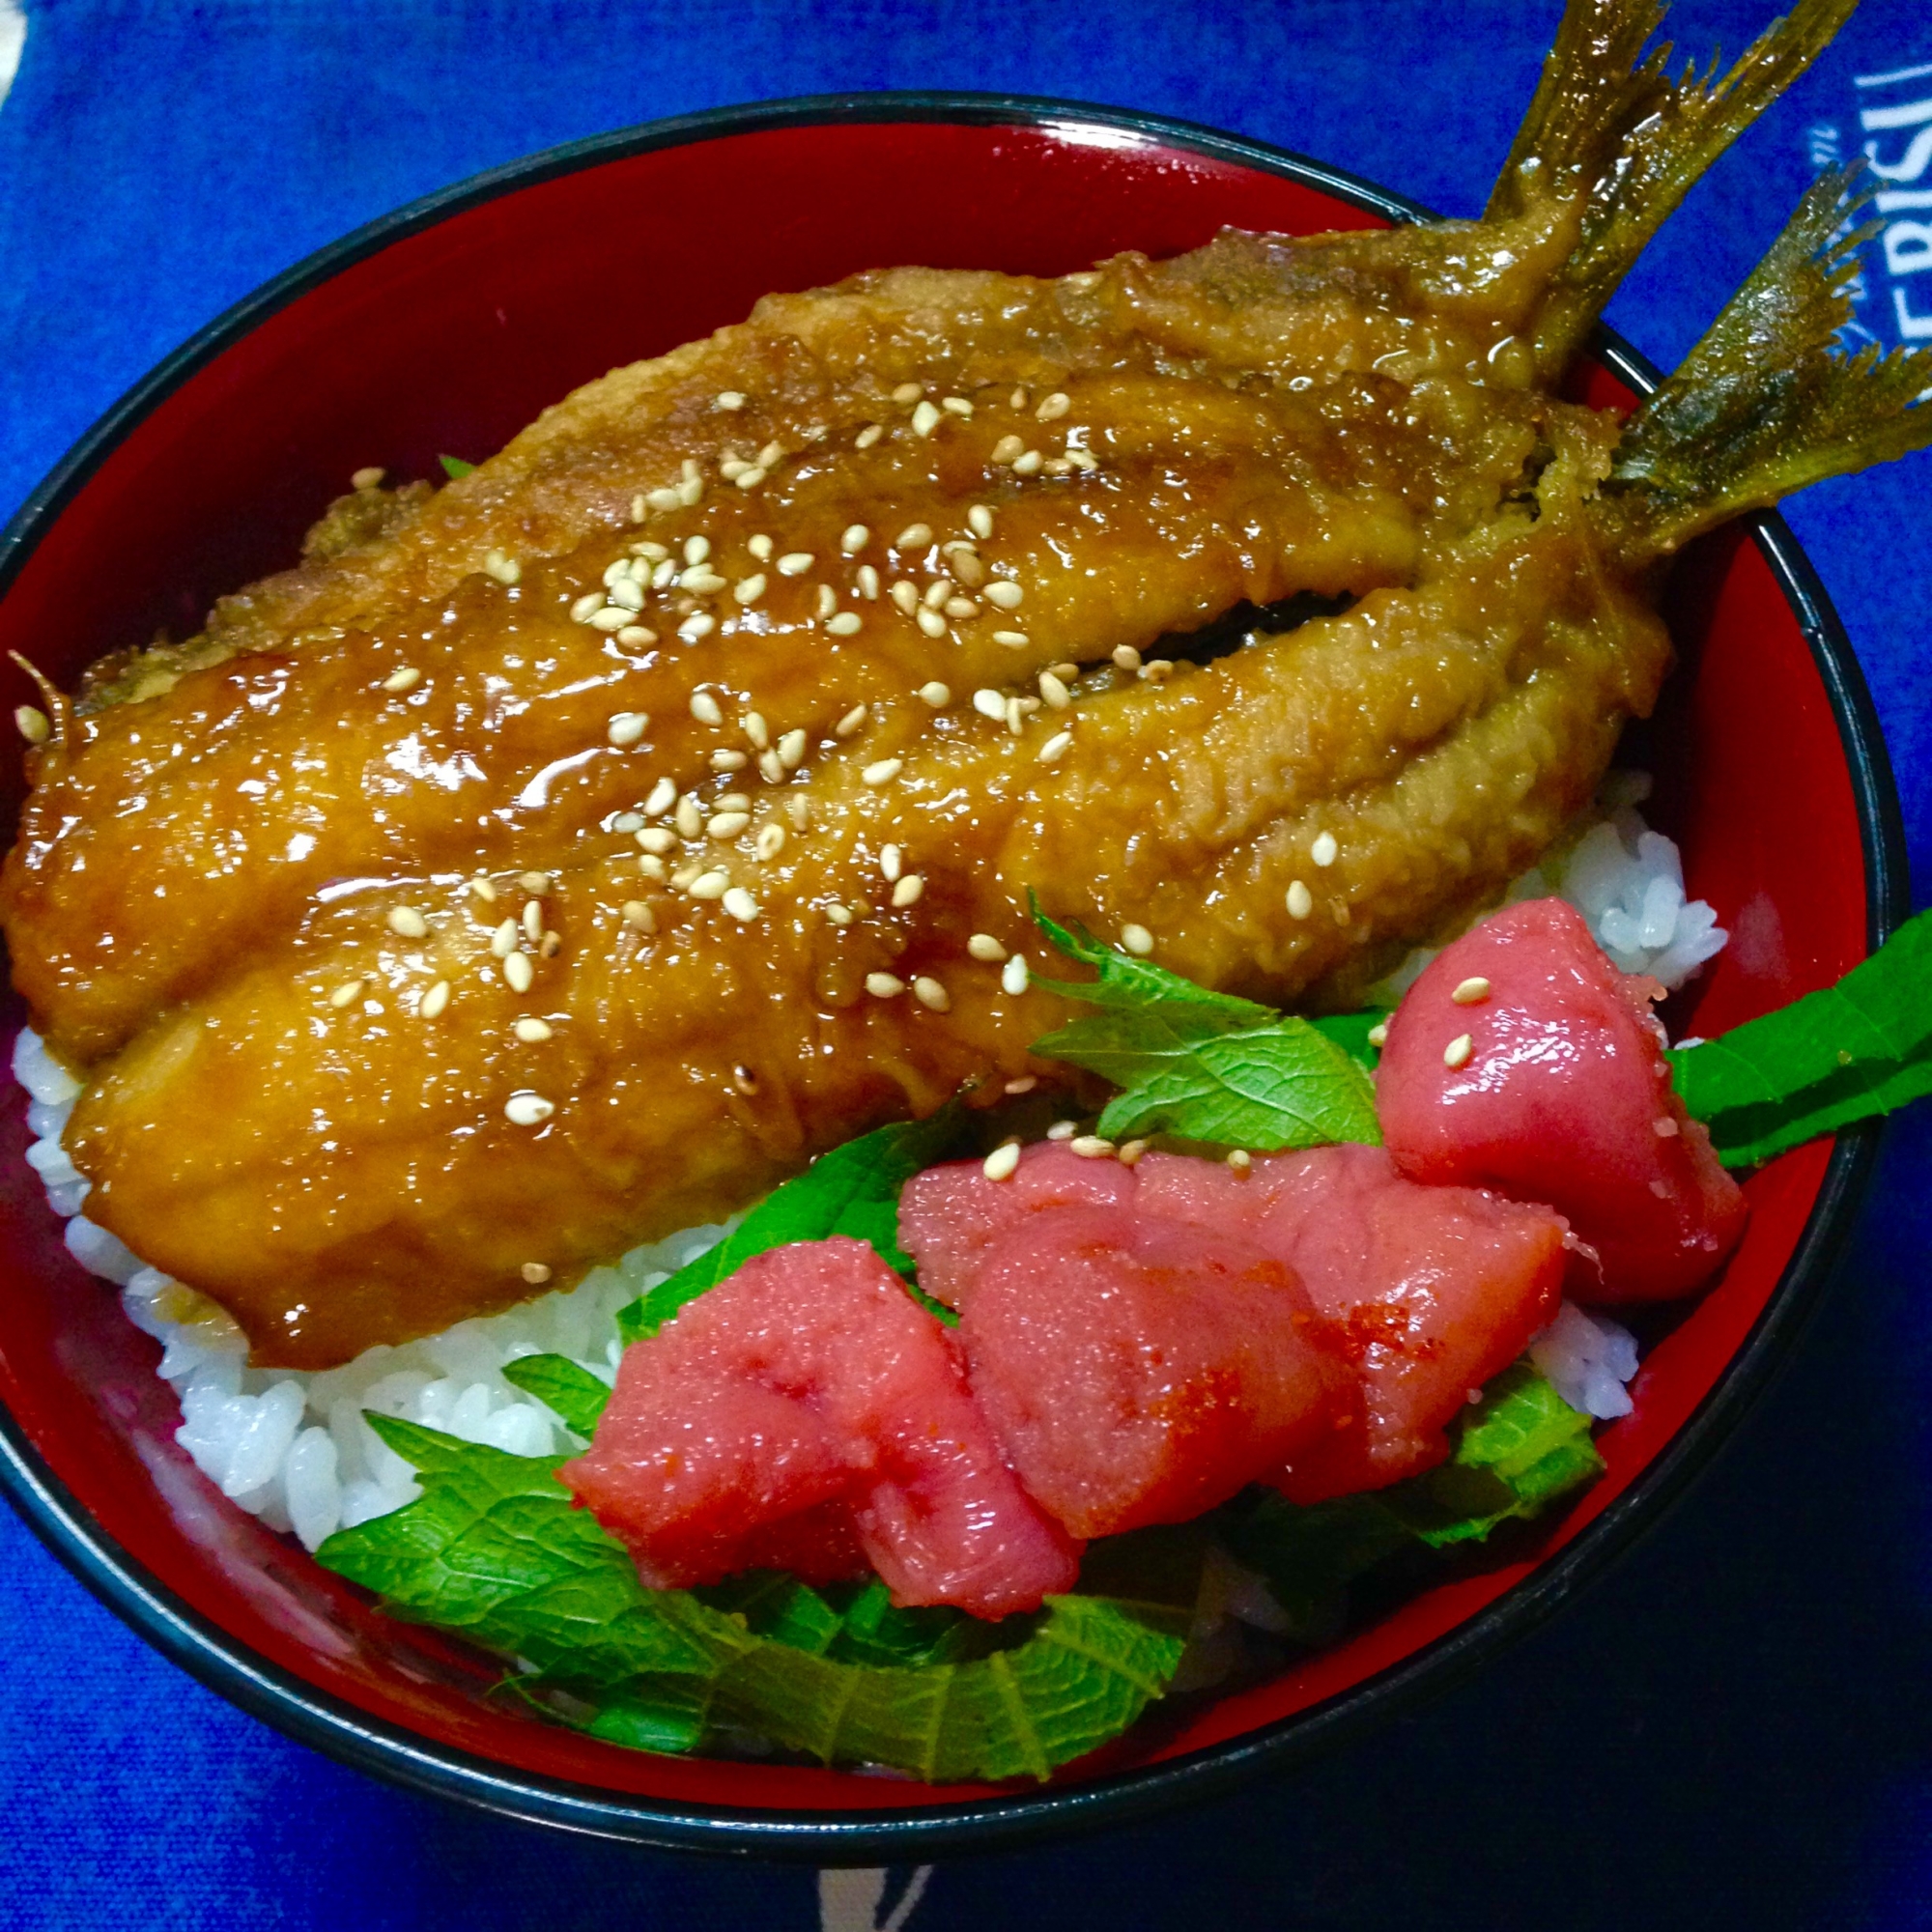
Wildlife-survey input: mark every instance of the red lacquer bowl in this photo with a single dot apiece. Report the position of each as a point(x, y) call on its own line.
point(444, 329)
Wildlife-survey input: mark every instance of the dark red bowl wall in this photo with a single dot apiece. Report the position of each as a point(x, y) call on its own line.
point(449, 341)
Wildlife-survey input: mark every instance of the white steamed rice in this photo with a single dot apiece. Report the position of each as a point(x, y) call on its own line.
point(294, 1450)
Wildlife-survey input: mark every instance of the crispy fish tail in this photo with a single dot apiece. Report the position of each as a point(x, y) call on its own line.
point(1767, 402)
point(1609, 122)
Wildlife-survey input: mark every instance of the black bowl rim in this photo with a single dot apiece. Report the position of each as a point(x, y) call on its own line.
point(330, 1724)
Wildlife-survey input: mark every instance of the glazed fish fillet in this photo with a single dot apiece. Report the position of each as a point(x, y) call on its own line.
point(563, 857)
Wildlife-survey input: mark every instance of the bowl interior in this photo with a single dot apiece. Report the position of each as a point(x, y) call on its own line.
point(448, 336)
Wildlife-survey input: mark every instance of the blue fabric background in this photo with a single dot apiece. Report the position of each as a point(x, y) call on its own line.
point(1732, 1730)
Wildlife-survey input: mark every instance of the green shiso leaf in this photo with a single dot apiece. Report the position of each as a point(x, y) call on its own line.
point(1516, 1452)
point(454, 466)
point(559, 1383)
point(1843, 1054)
point(1205, 1065)
point(852, 1190)
point(495, 1551)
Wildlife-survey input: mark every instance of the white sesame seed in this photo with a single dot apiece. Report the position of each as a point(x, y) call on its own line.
point(1007, 448)
point(627, 595)
point(1058, 466)
point(651, 867)
point(700, 583)
point(683, 878)
point(728, 399)
point(1028, 463)
point(957, 406)
point(828, 600)
point(405, 679)
point(884, 772)
point(1055, 747)
point(1301, 900)
point(370, 477)
point(504, 941)
point(1324, 850)
point(795, 562)
point(966, 566)
point(705, 709)
point(1014, 976)
point(838, 914)
point(533, 919)
point(1090, 1147)
point(726, 824)
point(850, 723)
point(1012, 640)
point(1054, 691)
point(884, 986)
point(1241, 1161)
point(773, 452)
point(33, 723)
point(1006, 593)
point(536, 1273)
point(1378, 1034)
point(635, 636)
point(924, 419)
point(984, 945)
point(1155, 670)
point(1062, 1130)
point(406, 922)
point(1131, 1152)
point(639, 915)
point(1472, 991)
point(931, 995)
point(1457, 1053)
point(637, 508)
point(1081, 459)
point(688, 819)
point(484, 890)
point(891, 861)
point(628, 727)
point(1052, 407)
point(908, 392)
point(1025, 1084)
point(868, 580)
point(664, 574)
point(532, 1032)
point(855, 538)
point(346, 994)
point(770, 841)
point(527, 1110)
point(1127, 658)
point(905, 595)
point(728, 762)
point(700, 624)
point(936, 593)
point(517, 972)
point(936, 695)
point(800, 808)
point(434, 1001)
point(907, 891)
point(710, 886)
point(658, 838)
point(959, 608)
point(740, 904)
point(980, 520)
point(732, 800)
point(697, 549)
point(753, 726)
point(762, 548)
point(612, 618)
point(999, 1165)
point(734, 467)
point(662, 499)
point(662, 796)
point(791, 750)
point(1137, 939)
point(915, 536)
point(869, 436)
point(845, 625)
point(989, 703)
point(931, 623)
point(1015, 714)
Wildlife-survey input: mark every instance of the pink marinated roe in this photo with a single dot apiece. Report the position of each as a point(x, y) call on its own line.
point(805, 1413)
point(1186, 1330)
point(1425, 1292)
point(1565, 1097)
point(1136, 1370)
